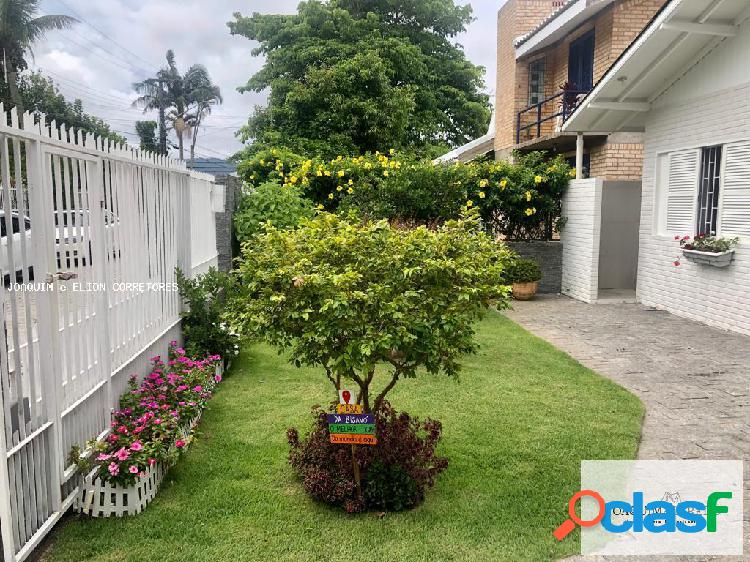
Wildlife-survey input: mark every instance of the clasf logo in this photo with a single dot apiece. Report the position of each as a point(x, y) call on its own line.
point(659, 516)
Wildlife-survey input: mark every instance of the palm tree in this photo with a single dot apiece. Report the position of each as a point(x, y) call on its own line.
point(203, 95)
point(182, 101)
point(19, 30)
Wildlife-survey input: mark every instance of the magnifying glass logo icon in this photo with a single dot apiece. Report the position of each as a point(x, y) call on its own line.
point(570, 524)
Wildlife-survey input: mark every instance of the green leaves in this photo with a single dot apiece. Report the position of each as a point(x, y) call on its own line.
point(350, 296)
point(270, 204)
point(348, 76)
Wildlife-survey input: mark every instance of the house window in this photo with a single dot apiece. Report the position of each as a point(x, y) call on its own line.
point(536, 81)
point(708, 190)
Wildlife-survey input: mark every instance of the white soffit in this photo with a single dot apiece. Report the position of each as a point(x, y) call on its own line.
point(559, 24)
point(676, 40)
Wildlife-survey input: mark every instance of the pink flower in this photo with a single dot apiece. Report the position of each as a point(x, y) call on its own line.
point(102, 457)
point(151, 462)
point(179, 351)
point(112, 438)
point(133, 469)
point(686, 237)
point(179, 443)
point(217, 378)
point(157, 421)
point(677, 237)
point(677, 263)
point(114, 470)
point(122, 454)
point(198, 388)
point(136, 446)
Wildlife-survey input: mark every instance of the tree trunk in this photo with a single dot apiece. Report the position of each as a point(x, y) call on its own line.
point(181, 144)
point(15, 95)
point(162, 130)
point(195, 139)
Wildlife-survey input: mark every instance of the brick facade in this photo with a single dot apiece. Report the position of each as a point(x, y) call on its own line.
point(515, 18)
point(615, 27)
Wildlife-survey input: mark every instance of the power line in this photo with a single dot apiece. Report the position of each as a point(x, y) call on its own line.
point(106, 36)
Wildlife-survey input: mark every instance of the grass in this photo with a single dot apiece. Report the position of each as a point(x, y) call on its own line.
point(516, 427)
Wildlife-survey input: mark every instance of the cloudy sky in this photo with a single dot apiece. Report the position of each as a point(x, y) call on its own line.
point(119, 42)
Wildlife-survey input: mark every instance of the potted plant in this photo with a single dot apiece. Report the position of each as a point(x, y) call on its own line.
point(710, 250)
point(524, 276)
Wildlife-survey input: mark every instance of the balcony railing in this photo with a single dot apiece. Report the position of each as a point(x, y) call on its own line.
point(562, 104)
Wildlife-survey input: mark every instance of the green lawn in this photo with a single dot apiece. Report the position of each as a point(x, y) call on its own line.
point(515, 429)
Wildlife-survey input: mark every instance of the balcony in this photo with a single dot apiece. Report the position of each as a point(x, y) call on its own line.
point(545, 117)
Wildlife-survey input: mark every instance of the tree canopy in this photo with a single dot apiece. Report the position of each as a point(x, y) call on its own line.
point(355, 298)
point(40, 95)
point(351, 76)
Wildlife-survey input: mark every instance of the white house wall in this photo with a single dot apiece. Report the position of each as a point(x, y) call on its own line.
point(580, 239)
point(707, 107)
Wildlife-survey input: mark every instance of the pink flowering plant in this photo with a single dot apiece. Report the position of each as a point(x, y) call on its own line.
point(705, 243)
point(154, 422)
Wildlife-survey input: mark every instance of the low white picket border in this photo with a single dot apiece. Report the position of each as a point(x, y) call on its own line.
point(100, 498)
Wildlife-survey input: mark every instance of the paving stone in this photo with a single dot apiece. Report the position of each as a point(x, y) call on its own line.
point(692, 379)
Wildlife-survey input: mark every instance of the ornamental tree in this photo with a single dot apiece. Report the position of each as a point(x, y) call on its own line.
point(369, 303)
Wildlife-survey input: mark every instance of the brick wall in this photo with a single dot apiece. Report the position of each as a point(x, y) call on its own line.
point(515, 18)
point(616, 161)
point(549, 256)
point(615, 28)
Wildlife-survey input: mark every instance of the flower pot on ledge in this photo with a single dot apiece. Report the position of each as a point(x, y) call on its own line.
point(525, 291)
point(714, 259)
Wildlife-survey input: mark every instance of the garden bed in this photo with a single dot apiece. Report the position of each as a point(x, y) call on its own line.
point(516, 427)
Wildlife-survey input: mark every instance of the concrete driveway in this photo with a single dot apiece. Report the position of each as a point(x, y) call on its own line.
point(693, 379)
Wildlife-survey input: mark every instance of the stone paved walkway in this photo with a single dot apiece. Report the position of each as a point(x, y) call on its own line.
point(693, 379)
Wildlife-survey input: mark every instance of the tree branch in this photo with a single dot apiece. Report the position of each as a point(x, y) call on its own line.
point(387, 389)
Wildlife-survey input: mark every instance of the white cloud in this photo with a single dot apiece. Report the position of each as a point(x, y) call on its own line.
point(124, 41)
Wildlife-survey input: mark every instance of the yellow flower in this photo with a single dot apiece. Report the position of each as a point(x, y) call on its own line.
point(350, 191)
point(262, 162)
point(484, 183)
point(392, 151)
point(320, 207)
point(482, 195)
point(538, 179)
point(503, 184)
point(327, 173)
point(529, 212)
point(573, 173)
point(342, 173)
point(330, 196)
point(528, 196)
point(368, 166)
point(319, 173)
point(293, 179)
point(470, 203)
point(351, 182)
point(339, 188)
point(385, 173)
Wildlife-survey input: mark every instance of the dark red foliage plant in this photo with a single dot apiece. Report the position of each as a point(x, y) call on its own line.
point(395, 473)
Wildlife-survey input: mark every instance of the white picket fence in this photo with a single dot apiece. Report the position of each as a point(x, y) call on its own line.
point(91, 216)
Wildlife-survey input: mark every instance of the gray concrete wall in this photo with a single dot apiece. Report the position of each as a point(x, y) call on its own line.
point(225, 242)
point(549, 257)
point(618, 245)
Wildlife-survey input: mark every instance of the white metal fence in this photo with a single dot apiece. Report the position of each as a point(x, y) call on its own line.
point(90, 216)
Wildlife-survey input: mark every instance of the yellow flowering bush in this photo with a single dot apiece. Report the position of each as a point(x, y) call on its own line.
point(521, 200)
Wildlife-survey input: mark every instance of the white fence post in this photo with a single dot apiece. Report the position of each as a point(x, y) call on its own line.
point(6, 513)
point(97, 209)
point(40, 209)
